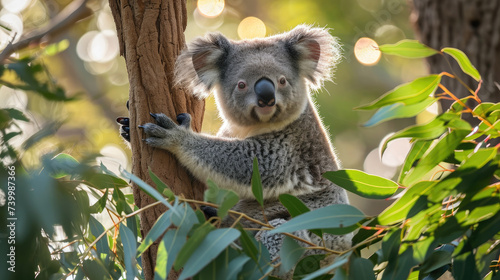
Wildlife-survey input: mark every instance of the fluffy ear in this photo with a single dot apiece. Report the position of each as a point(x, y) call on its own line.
point(198, 67)
point(314, 51)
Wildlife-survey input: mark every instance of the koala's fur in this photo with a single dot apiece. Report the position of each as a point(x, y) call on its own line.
point(288, 138)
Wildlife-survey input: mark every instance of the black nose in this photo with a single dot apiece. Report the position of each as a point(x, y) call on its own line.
point(264, 89)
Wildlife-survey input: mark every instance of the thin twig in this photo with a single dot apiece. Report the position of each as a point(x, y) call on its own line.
point(74, 12)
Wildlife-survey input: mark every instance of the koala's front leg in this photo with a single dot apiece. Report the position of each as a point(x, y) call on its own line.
point(166, 134)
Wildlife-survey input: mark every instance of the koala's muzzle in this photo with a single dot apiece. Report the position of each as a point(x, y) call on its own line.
point(264, 88)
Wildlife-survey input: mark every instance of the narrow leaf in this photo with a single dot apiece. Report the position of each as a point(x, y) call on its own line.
point(170, 245)
point(362, 184)
point(464, 62)
point(409, 93)
point(398, 211)
point(160, 226)
point(360, 268)
point(129, 247)
point(214, 243)
point(408, 49)
point(226, 199)
point(100, 204)
point(339, 261)
point(257, 183)
point(162, 187)
point(146, 188)
point(443, 149)
point(417, 151)
point(398, 111)
point(192, 244)
point(332, 216)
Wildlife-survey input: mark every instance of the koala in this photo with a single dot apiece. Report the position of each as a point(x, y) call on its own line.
point(262, 91)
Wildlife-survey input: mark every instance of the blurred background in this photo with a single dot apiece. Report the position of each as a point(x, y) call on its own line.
point(90, 69)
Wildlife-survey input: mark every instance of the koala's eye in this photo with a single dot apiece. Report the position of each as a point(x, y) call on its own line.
point(242, 85)
point(282, 81)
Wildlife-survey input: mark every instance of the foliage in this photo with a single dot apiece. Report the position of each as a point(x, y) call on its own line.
point(445, 216)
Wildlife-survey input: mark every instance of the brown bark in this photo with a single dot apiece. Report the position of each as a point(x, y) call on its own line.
point(151, 35)
point(472, 26)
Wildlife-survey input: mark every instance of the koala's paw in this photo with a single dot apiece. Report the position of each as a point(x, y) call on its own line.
point(166, 133)
point(124, 123)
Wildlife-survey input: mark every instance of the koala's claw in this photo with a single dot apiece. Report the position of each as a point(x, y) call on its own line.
point(124, 128)
point(184, 120)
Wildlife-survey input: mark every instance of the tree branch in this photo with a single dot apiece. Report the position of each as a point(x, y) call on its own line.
point(72, 13)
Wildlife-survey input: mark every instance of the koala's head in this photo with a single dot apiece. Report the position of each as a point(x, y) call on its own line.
point(263, 80)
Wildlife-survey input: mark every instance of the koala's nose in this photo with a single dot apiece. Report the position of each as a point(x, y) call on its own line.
point(264, 89)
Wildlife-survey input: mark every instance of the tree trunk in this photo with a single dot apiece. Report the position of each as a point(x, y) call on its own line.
point(472, 26)
point(151, 35)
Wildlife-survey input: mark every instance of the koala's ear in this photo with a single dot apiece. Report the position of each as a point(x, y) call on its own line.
point(199, 66)
point(314, 51)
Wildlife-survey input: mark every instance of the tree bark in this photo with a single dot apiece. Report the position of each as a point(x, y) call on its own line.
point(472, 26)
point(151, 35)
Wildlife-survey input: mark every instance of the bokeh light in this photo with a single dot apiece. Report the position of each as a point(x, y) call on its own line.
point(15, 6)
point(366, 51)
point(210, 8)
point(251, 27)
point(208, 23)
point(396, 151)
point(98, 46)
point(15, 23)
point(373, 165)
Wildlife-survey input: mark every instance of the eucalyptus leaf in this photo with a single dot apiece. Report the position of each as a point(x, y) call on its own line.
point(409, 93)
point(463, 61)
point(408, 49)
point(362, 184)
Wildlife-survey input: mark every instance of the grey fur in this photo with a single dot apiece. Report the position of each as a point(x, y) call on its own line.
point(288, 139)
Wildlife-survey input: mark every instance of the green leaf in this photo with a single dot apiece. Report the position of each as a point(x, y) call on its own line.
point(105, 181)
point(435, 261)
point(161, 272)
point(257, 183)
point(390, 245)
point(409, 93)
point(248, 244)
point(62, 165)
point(160, 226)
point(214, 243)
point(102, 246)
point(463, 61)
point(427, 131)
point(332, 216)
point(307, 265)
point(296, 207)
point(129, 247)
point(485, 231)
point(464, 267)
point(362, 184)
point(417, 151)
point(408, 49)
point(169, 247)
point(400, 267)
point(443, 149)
point(290, 254)
point(100, 204)
point(192, 244)
point(226, 199)
point(398, 111)
point(399, 210)
point(338, 262)
point(162, 187)
point(56, 48)
point(16, 114)
point(360, 268)
point(146, 188)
